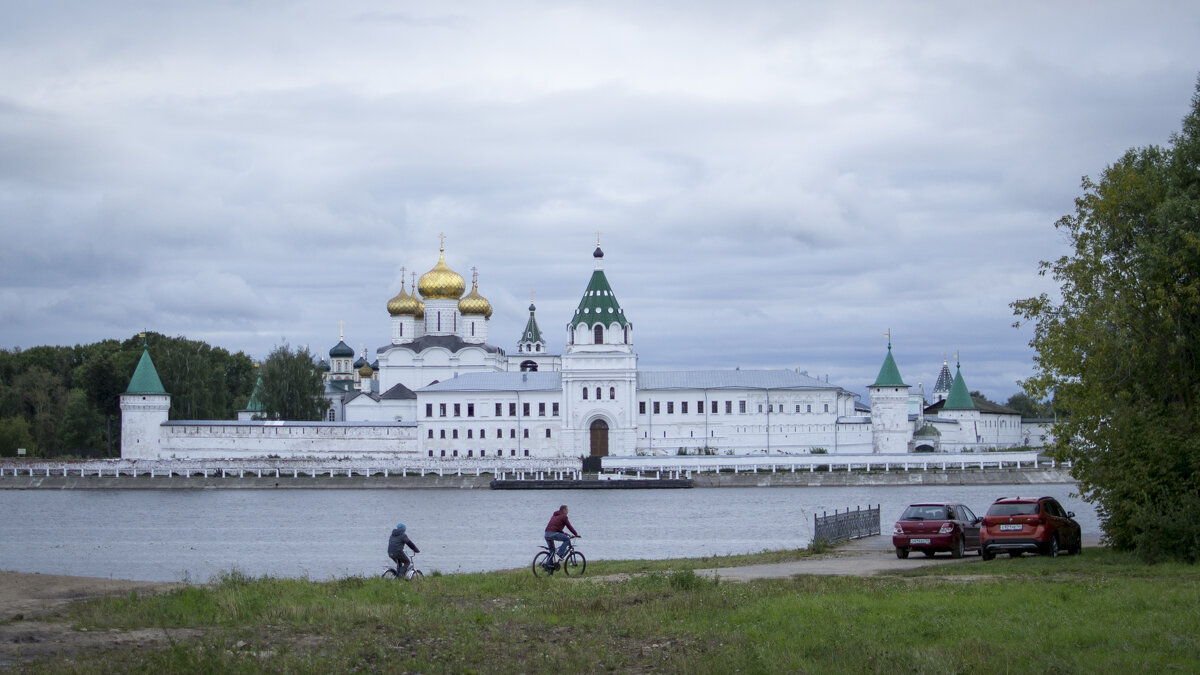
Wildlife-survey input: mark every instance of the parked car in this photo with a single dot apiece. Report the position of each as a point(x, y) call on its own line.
point(930, 528)
point(1014, 526)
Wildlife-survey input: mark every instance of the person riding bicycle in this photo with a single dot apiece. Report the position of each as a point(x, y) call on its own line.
point(554, 531)
point(396, 544)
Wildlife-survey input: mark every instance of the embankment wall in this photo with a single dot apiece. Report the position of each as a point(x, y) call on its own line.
point(1041, 476)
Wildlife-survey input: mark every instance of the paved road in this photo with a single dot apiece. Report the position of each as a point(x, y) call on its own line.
point(861, 557)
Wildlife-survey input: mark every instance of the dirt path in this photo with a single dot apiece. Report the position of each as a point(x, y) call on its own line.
point(30, 603)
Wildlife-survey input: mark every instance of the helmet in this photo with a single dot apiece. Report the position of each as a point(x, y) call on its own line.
point(400, 526)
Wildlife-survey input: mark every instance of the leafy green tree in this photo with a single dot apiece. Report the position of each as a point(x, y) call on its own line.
point(292, 386)
point(1119, 352)
point(14, 433)
point(44, 398)
point(81, 432)
point(1028, 407)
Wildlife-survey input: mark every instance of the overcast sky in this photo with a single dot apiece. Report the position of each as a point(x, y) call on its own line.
point(776, 184)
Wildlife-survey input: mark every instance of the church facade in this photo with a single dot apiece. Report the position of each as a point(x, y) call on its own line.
point(439, 389)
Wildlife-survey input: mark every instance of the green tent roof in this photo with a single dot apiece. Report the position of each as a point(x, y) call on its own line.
point(889, 374)
point(145, 377)
point(959, 398)
point(255, 404)
point(598, 304)
point(532, 333)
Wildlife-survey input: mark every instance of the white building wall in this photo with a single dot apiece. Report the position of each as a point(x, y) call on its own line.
point(891, 430)
point(466, 424)
point(142, 416)
point(747, 421)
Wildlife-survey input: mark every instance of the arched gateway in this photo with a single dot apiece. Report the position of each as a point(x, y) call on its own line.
point(599, 431)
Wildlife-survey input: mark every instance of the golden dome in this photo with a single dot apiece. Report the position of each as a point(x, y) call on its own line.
point(441, 282)
point(404, 304)
point(474, 303)
point(366, 371)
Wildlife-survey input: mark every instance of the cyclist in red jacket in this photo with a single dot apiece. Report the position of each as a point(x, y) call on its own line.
point(554, 530)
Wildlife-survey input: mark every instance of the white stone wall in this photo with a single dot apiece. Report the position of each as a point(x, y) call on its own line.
point(216, 440)
point(142, 416)
point(891, 430)
point(400, 365)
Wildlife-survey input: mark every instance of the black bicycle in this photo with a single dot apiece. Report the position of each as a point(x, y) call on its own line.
point(408, 572)
point(572, 562)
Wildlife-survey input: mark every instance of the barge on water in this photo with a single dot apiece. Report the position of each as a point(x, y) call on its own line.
point(611, 484)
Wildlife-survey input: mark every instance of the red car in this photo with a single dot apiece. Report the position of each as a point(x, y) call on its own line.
point(930, 528)
point(1014, 526)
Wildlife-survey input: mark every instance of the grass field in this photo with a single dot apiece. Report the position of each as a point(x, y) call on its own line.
point(1100, 612)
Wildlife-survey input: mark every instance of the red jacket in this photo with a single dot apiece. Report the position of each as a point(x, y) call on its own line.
point(558, 521)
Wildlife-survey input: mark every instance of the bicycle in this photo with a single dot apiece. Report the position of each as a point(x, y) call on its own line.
point(409, 574)
point(571, 562)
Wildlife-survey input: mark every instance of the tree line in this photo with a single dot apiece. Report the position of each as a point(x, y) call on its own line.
point(60, 401)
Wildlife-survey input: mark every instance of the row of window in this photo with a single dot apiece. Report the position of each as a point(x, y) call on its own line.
point(512, 433)
point(715, 407)
point(482, 453)
point(819, 428)
point(457, 409)
point(598, 333)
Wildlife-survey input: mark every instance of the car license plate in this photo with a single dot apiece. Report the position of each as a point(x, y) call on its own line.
point(918, 541)
point(1009, 528)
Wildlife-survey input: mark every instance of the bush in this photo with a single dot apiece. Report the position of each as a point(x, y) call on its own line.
point(1168, 533)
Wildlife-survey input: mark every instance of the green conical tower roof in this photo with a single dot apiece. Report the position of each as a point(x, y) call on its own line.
point(599, 304)
point(532, 333)
point(255, 404)
point(889, 374)
point(959, 398)
point(145, 377)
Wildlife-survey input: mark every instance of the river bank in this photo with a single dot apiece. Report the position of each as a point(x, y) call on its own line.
point(380, 481)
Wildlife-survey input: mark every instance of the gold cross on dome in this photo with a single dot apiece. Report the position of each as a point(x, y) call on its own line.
point(341, 335)
point(597, 238)
point(442, 242)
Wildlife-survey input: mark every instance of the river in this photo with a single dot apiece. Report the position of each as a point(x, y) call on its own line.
point(192, 535)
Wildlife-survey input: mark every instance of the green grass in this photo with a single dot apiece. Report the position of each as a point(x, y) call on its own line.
point(1101, 612)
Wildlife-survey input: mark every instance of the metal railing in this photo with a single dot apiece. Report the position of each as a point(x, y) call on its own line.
point(688, 464)
point(523, 468)
point(847, 525)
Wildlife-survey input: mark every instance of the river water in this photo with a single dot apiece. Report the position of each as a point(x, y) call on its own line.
point(192, 535)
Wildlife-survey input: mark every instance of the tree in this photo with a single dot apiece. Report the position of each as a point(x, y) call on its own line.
point(1119, 351)
point(81, 430)
point(1028, 407)
point(14, 433)
point(292, 386)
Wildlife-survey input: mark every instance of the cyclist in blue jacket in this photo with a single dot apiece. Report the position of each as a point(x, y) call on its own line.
point(396, 544)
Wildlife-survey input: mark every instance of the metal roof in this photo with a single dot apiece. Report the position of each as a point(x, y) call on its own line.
point(451, 343)
point(527, 381)
point(145, 377)
point(729, 379)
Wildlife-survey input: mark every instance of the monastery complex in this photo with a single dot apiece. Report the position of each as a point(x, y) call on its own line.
point(440, 389)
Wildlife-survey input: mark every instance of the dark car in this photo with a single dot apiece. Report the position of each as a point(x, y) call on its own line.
point(1014, 526)
point(930, 528)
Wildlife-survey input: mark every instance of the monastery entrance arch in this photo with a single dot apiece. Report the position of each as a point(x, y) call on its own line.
point(599, 438)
